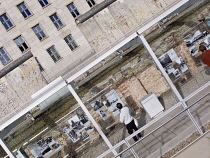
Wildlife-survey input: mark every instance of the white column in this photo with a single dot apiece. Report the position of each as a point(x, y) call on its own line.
point(165, 75)
point(6, 149)
point(91, 118)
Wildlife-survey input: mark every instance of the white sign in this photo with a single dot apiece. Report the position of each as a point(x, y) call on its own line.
point(151, 104)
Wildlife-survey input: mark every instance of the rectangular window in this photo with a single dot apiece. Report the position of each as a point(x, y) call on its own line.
point(6, 21)
point(39, 32)
point(20, 42)
point(53, 53)
point(56, 21)
point(73, 10)
point(4, 57)
point(91, 3)
point(43, 3)
point(70, 42)
point(24, 10)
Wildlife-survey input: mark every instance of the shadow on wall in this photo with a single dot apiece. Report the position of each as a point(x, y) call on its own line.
point(162, 101)
point(132, 105)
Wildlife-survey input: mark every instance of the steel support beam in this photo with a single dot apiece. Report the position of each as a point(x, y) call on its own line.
point(168, 80)
point(6, 149)
point(91, 118)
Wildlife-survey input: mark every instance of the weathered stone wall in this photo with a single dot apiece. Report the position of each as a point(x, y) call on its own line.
point(17, 86)
point(152, 81)
point(132, 91)
point(95, 34)
point(118, 19)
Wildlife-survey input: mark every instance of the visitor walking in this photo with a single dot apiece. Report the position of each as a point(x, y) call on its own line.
point(128, 120)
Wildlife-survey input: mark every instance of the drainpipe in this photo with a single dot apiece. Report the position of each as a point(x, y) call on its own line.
point(15, 64)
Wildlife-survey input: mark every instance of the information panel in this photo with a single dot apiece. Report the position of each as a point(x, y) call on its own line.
point(151, 104)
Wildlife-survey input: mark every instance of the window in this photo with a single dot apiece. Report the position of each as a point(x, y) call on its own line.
point(91, 3)
point(39, 32)
point(20, 42)
point(70, 41)
point(73, 10)
point(57, 22)
point(6, 21)
point(4, 57)
point(53, 53)
point(43, 3)
point(24, 10)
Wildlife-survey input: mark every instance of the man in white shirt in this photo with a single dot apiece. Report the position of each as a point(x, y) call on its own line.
point(128, 120)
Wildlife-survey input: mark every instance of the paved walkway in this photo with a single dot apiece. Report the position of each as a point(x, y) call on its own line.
point(199, 149)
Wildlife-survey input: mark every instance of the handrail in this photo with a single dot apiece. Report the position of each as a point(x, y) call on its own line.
point(158, 118)
point(160, 125)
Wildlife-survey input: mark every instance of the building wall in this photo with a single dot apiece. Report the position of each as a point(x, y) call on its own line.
point(55, 37)
point(17, 87)
point(92, 36)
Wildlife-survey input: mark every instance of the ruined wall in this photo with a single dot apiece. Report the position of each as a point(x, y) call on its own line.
point(152, 81)
point(118, 19)
point(17, 86)
point(132, 91)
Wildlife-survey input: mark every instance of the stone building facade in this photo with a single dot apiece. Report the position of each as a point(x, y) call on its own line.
point(52, 32)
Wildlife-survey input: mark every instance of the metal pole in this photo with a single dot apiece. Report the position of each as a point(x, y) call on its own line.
point(6, 149)
point(165, 75)
point(91, 118)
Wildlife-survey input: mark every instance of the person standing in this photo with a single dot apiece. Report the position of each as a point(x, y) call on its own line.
point(205, 56)
point(128, 120)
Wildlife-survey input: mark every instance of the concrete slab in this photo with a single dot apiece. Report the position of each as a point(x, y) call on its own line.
point(164, 135)
point(197, 149)
point(176, 126)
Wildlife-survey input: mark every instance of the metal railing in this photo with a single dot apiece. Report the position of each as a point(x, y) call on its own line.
point(125, 141)
point(95, 56)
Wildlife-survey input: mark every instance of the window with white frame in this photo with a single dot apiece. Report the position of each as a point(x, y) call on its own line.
point(24, 10)
point(53, 53)
point(71, 42)
point(39, 32)
point(73, 10)
point(4, 57)
point(43, 3)
point(21, 43)
point(6, 21)
point(91, 3)
point(56, 21)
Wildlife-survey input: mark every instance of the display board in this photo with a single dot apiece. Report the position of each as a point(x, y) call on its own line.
point(173, 64)
point(112, 100)
point(79, 128)
point(97, 106)
point(192, 39)
point(21, 153)
point(45, 148)
point(151, 105)
point(109, 101)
